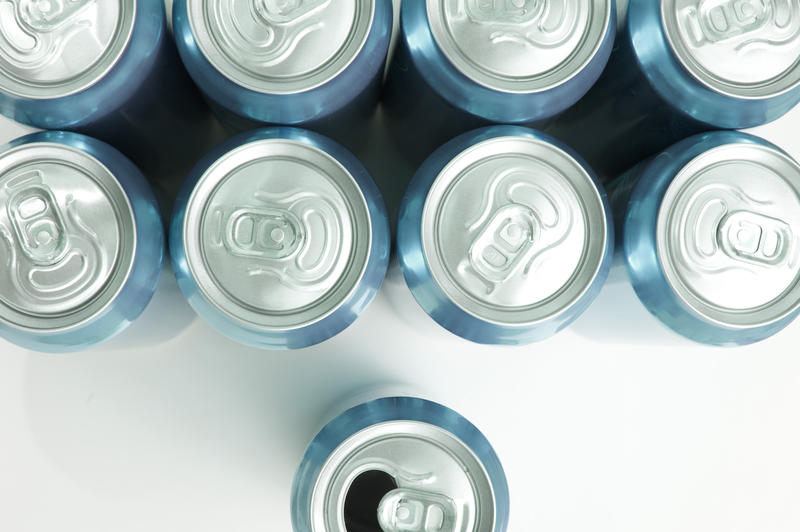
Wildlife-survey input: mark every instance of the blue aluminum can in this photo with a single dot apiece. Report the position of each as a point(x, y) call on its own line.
point(460, 65)
point(682, 67)
point(108, 69)
point(710, 234)
point(82, 242)
point(312, 63)
point(279, 238)
point(505, 236)
point(400, 464)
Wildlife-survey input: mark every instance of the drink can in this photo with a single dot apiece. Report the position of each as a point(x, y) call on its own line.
point(682, 67)
point(108, 69)
point(308, 63)
point(505, 236)
point(400, 464)
point(710, 235)
point(279, 238)
point(463, 64)
point(82, 242)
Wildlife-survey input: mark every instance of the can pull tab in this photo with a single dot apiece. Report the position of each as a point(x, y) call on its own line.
point(405, 510)
point(47, 15)
point(755, 238)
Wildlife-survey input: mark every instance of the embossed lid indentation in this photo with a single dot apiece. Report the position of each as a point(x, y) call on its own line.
point(55, 48)
point(277, 234)
point(67, 237)
point(514, 230)
point(741, 48)
point(729, 235)
point(280, 46)
point(519, 46)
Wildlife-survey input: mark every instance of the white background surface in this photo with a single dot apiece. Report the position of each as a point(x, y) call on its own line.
point(616, 425)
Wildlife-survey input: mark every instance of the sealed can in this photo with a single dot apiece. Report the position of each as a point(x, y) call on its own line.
point(400, 464)
point(463, 64)
point(306, 63)
point(682, 67)
point(81, 242)
point(505, 236)
point(711, 237)
point(107, 69)
point(279, 238)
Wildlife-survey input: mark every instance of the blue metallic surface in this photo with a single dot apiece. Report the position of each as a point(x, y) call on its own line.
point(349, 311)
point(140, 286)
point(429, 101)
point(638, 196)
point(418, 275)
point(394, 409)
point(345, 99)
point(646, 101)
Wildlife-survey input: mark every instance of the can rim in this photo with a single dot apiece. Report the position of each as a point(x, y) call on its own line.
point(210, 45)
point(117, 278)
point(88, 78)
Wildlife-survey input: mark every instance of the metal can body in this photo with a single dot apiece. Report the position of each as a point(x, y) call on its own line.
point(710, 237)
point(279, 238)
point(274, 64)
point(123, 83)
point(82, 242)
point(505, 236)
point(429, 456)
point(675, 73)
point(461, 64)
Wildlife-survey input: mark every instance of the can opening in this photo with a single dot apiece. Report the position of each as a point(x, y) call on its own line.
point(363, 498)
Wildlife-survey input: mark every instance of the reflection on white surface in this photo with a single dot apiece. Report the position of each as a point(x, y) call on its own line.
point(616, 425)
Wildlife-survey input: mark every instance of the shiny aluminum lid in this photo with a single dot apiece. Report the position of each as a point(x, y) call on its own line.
point(514, 231)
point(740, 48)
point(441, 484)
point(55, 48)
point(280, 46)
point(519, 46)
point(67, 237)
point(277, 234)
point(728, 235)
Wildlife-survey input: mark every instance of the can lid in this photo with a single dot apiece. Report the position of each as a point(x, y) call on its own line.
point(441, 484)
point(277, 234)
point(746, 49)
point(519, 46)
point(727, 235)
point(281, 46)
point(67, 237)
point(514, 231)
point(55, 48)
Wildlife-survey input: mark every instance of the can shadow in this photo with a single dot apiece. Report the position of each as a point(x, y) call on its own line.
point(618, 317)
point(117, 422)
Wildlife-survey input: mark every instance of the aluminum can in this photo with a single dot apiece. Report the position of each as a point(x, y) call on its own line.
point(682, 67)
point(279, 238)
point(106, 68)
point(307, 63)
point(711, 237)
point(400, 464)
point(463, 64)
point(82, 242)
point(504, 236)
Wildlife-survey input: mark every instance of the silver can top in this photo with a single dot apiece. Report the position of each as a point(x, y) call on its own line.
point(441, 484)
point(55, 48)
point(741, 48)
point(519, 46)
point(514, 231)
point(280, 46)
point(67, 237)
point(277, 234)
point(728, 235)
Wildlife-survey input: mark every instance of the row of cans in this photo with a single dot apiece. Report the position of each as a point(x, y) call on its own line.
point(679, 67)
point(280, 238)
